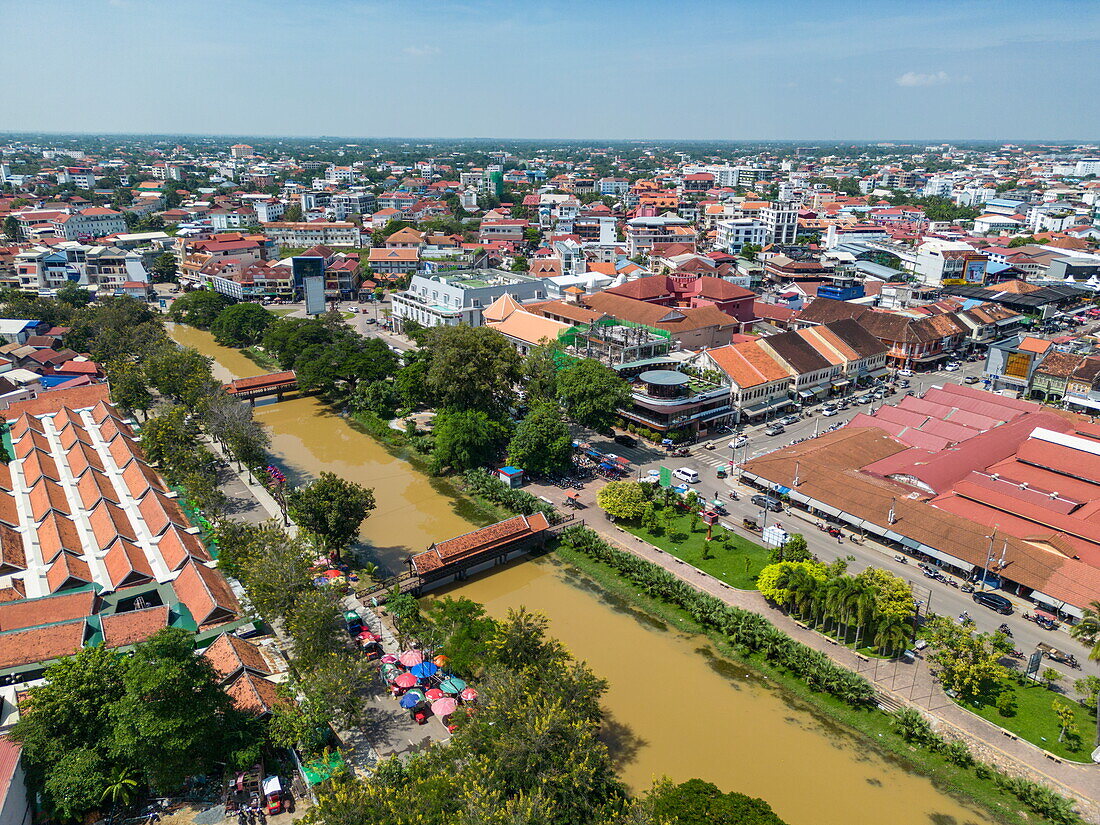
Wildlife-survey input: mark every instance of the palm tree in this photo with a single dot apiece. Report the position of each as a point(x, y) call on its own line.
point(842, 594)
point(892, 634)
point(1088, 629)
point(121, 788)
point(865, 606)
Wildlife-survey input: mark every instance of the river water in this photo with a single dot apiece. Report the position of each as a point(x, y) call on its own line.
point(676, 707)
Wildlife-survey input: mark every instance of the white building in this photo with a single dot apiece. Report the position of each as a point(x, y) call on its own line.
point(306, 234)
point(458, 297)
point(781, 220)
point(734, 234)
point(1087, 166)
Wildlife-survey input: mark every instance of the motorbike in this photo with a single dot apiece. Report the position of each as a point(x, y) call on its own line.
point(734, 496)
point(901, 559)
point(1006, 630)
point(1017, 654)
point(967, 588)
point(953, 583)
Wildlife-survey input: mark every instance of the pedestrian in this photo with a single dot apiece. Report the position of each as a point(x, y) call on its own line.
point(839, 539)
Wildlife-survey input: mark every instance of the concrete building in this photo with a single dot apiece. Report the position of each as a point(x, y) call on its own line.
point(459, 297)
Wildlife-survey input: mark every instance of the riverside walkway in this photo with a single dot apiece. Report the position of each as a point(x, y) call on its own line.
point(897, 682)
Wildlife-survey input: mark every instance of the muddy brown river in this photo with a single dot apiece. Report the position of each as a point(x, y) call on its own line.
point(676, 707)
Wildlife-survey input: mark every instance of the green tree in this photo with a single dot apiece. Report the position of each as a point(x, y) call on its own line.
point(893, 598)
point(1089, 690)
point(540, 372)
point(76, 784)
point(183, 374)
point(965, 662)
point(166, 738)
point(331, 509)
point(467, 439)
point(1067, 722)
point(74, 295)
point(11, 228)
point(472, 368)
point(1051, 675)
point(592, 393)
point(129, 387)
point(241, 325)
point(164, 268)
point(292, 213)
point(121, 788)
point(696, 802)
point(774, 580)
point(1088, 629)
point(749, 251)
point(623, 499)
point(199, 308)
point(542, 443)
point(378, 397)
point(794, 549)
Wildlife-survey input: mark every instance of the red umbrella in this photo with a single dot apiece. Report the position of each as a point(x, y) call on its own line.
point(405, 680)
point(468, 695)
point(366, 636)
point(410, 658)
point(435, 693)
point(444, 707)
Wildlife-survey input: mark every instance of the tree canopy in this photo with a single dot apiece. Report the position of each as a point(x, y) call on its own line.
point(199, 308)
point(592, 393)
point(623, 499)
point(472, 368)
point(241, 325)
point(331, 508)
point(542, 443)
point(465, 439)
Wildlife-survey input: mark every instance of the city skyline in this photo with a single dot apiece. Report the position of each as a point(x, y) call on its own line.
point(607, 71)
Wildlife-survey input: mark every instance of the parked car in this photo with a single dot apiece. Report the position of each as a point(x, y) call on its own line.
point(971, 379)
point(830, 411)
point(994, 602)
point(767, 502)
point(790, 419)
point(686, 474)
point(906, 373)
point(775, 429)
point(626, 440)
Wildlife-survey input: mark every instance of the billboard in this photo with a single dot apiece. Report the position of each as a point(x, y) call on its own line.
point(315, 294)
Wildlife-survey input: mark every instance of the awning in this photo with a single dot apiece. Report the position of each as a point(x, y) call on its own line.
point(782, 490)
point(825, 508)
point(890, 534)
point(1084, 402)
point(871, 527)
point(842, 383)
point(1058, 604)
point(806, 393)
point(912, 544)
point(801, 499)
point(947, 558)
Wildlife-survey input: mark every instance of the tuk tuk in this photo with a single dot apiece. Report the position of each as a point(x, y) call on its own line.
point(1056, 655)
point(749, 523)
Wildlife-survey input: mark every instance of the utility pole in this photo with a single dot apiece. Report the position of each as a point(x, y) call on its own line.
point(988, 557)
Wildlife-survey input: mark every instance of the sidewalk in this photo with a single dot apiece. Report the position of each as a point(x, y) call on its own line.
point(903, 683)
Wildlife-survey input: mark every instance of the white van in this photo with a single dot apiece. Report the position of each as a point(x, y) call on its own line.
point(687, 475)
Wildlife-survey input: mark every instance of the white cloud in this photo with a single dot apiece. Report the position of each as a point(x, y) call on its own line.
point(919, 79)
point(421, 51)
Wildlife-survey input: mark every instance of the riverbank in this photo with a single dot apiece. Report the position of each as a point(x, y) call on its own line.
point(871, 726)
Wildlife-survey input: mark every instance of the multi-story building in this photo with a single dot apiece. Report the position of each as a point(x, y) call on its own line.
point(340, 174)
point(953, 263)
point(268, 209)
point(643, 233)
point(102, 269)
point(510, 231)
point(352, 203)
point(781, 220)
point(390, 264)
point(241, 150)
point(236, 218)
point(459, 297)
point(306, 234)
point(734, 234)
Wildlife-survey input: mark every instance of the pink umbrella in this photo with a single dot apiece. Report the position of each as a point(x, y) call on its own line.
point(444, 707)
point(366, 636)
point(468, 695)
point(389, 659)
point(405, 680)
point(410, 658)
point(435, 693)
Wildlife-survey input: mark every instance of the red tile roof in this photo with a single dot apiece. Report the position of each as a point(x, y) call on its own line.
point(229, 655)
point(206, 593)
point(476, 542)
point(122, 629)
point(41, 644)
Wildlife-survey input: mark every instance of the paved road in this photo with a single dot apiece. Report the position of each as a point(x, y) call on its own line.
point(941, 598)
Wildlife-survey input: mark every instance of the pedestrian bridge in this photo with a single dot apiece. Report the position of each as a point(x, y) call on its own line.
point(261, 386)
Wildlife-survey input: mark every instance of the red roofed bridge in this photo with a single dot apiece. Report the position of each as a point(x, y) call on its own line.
point(260, 386)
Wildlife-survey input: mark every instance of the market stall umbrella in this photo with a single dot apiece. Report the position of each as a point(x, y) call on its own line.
point(366, 636)
point(389, 659)
point(410, 700)
point(441, 660)
point(410, 658)
point(444, 707)
point(424, 670)
point(417, 692)
point(453, 685)
point(468, 695)
point(435, 693)
point(405, 680)
point(390, 672)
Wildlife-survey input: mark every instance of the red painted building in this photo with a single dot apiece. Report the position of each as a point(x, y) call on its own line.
point(691, 290)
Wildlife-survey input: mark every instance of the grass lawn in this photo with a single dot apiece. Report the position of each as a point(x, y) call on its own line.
point(1036, 721)
point(737, 562)
point(281, 310)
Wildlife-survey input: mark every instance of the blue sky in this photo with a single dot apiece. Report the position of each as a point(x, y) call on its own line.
point(726, 69)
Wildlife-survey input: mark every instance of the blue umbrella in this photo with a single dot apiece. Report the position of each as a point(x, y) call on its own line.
point(411, 700)
point(424, 670)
